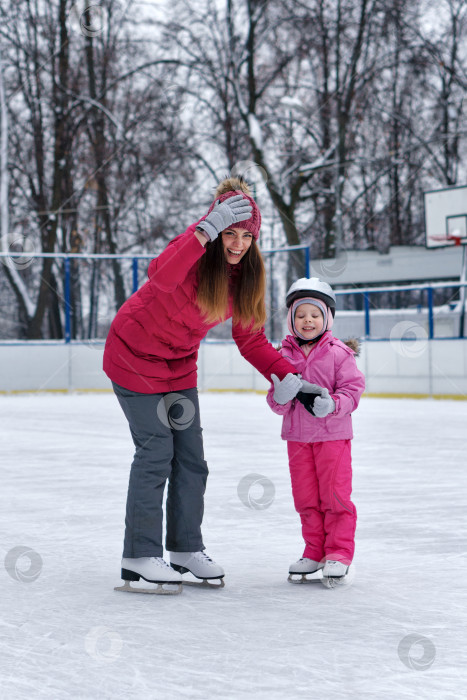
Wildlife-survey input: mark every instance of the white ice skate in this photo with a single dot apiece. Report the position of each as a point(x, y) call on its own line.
point(307, 570)
point(200, 565)
point(336, 573)
point(153, 570)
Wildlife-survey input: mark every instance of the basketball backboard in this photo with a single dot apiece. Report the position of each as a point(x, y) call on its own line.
point(446, 217)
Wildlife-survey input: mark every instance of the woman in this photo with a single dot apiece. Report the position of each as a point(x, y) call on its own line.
point(200, 279)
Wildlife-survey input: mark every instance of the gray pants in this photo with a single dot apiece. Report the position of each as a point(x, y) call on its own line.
point(167, 435)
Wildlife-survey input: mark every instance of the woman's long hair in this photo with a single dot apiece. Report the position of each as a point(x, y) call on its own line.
point(250, 286)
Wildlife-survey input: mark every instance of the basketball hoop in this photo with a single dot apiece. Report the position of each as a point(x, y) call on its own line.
point(446, 238)
point(446, 217)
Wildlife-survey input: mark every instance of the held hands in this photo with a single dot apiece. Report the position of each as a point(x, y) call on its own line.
point(224, 214)
point(308, 400)
point(286, 389)
point(309, 388)
point(316, 399)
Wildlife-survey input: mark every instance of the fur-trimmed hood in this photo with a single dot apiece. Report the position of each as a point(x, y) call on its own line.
point(353, 344)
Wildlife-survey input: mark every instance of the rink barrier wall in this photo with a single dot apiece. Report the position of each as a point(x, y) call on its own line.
point(435, 368)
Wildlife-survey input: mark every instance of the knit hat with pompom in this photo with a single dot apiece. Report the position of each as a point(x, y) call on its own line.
point(237, 185)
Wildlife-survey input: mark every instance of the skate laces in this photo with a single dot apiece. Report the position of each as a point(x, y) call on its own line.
point(201, 556)
point(161, 562)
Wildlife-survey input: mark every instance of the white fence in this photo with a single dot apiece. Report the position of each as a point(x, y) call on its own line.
point(395, 367)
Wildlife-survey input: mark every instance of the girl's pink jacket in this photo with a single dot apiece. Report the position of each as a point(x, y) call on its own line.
point(330, 364)
point(152, 345)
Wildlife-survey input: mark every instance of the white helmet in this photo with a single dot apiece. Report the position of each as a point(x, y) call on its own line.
point(312, 287)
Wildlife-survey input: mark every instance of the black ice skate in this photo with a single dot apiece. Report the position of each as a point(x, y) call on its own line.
point(153, 570)
point(201, 566)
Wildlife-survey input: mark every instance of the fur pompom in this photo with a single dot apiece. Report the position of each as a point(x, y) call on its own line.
point(232, 184)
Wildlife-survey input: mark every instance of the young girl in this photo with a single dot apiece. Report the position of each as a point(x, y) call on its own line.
point(211, 272)
point(318, 428)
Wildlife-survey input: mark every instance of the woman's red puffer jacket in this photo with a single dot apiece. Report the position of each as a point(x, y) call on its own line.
point(153, 342)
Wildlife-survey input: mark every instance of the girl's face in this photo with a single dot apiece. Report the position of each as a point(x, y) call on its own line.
point(236, 242)
point(308, 320)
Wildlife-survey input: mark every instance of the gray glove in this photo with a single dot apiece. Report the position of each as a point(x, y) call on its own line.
point(308, 388)
point(224, 214)
point(323, 405)
point(286, 389)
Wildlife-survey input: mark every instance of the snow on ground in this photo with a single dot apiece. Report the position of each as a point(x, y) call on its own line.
point(397, 632)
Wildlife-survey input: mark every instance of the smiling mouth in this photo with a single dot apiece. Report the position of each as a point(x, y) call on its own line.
point(234, 252)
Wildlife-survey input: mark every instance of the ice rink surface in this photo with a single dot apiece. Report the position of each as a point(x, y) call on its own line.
point(399, 631)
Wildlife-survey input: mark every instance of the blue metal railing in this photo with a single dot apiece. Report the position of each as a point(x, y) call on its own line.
point(67, 257)
point(429, 287)
point(365, 292)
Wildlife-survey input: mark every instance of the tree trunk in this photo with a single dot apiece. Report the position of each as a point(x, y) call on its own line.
point(48, 298)
point(98, 142)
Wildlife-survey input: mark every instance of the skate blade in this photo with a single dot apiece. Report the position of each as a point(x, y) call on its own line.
point(333, 581)
point(305, 578)
point(205, 583)
point(157, 590)
point(340, 581)
point(337, 581)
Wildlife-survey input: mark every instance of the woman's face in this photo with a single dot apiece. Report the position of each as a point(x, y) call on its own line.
point(236, 242)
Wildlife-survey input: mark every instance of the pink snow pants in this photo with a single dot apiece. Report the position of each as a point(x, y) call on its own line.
point(321, 474)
